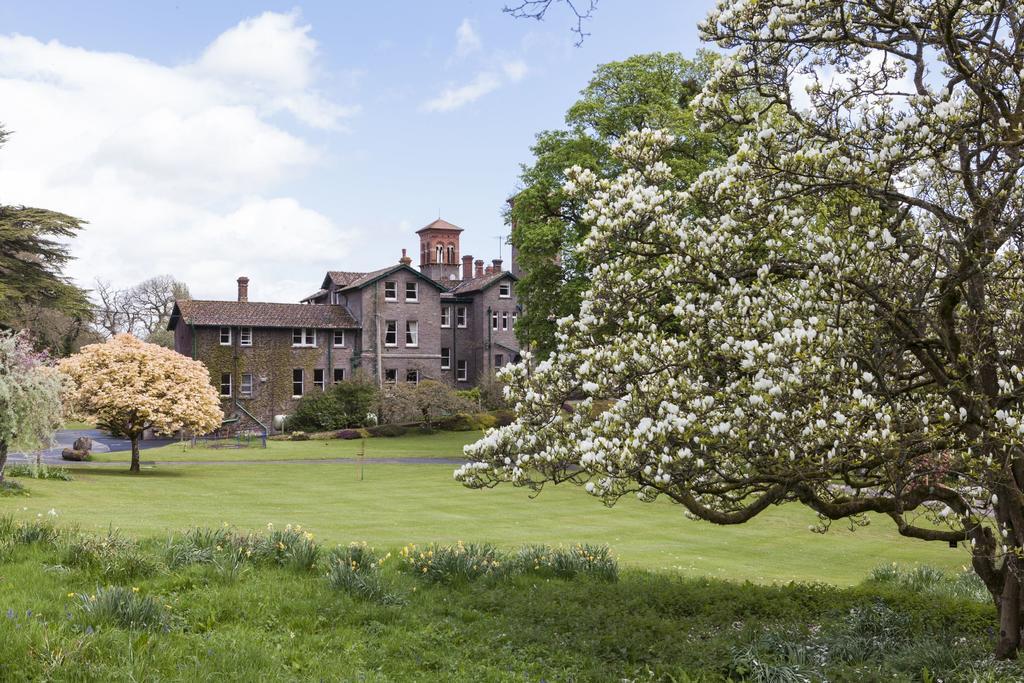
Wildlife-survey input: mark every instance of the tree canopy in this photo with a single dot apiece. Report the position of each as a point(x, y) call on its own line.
point(834, 316)
point(130, 386)
point(643, 91)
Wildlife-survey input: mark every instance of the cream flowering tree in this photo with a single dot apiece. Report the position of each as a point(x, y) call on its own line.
point(131, 386)
point(30, 397)
point(835, 317)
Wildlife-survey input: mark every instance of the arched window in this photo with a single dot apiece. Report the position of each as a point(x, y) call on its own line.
point(439, 253)
point(451, 253)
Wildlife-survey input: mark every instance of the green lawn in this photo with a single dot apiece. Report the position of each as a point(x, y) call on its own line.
point(398, 504)
point(438, 445)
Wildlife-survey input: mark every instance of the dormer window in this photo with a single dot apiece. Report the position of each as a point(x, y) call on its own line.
point(390, 291)
point(411, 291)
point(504, 290)
point(303, 336)
point(225, 336)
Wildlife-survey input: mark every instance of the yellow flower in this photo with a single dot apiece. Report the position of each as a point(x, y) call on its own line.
point(135, 589)
point(71, 595)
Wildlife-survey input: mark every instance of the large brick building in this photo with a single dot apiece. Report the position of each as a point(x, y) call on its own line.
point(452, 320)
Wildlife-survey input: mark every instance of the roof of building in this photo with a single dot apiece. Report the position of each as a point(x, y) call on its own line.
point(260, 314)
point(342, 278)
point(315, 295)
point(439, 224)
point(478, 284)
point(373, 276)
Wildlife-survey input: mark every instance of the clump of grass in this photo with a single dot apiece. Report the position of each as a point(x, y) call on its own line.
point(926, 579)
point(444, 563)
point(11, 488)
point(113, 556)
point(288, 547)
point(356, 571)
point(38, 471)
point(27, 532)
point(567, 563)
point(124, 607)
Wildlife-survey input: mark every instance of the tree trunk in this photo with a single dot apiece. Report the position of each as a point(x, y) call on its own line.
point(3, 459)
point(135, 454)
point(1009, 611)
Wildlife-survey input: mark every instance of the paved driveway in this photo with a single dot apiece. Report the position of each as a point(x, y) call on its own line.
point(101, 443)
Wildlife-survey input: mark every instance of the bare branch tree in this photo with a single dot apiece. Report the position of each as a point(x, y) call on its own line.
point(537, 9)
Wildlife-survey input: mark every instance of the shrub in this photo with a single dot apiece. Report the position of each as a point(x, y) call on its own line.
point(348, 434)
point(124, 607)
point(425, 402)
point(343, 405)
point(299, 436)
point(40, 471)
point(387, 430)
point(503, 417)
point(460, 422)
point(12, 488)
point(112, 556)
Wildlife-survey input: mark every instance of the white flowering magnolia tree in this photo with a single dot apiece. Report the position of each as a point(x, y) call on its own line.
point(30, 397)
point(842, 326)
point(130, 386)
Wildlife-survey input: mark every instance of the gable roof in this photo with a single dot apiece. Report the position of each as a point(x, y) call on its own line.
point(341, 278)
point(260, 314)
point(315, 295)
point(439, 224)
point(478, 284)
point(373, 276)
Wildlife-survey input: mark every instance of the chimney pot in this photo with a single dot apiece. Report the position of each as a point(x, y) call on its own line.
point(496, 265)
point(405, 260)
point(479, 268)
point(243, 289)
point(467, 267)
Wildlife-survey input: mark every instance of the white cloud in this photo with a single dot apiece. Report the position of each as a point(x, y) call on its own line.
point(515, 71)
point(454, 97)
point(467, 40)
point(174, 167)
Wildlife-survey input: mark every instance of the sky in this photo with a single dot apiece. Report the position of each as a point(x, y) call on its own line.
point(208, 140)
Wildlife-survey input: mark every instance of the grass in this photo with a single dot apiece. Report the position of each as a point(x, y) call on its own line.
point(378, 622)
point(77, 424)
point(437, 445)
point(398, 504)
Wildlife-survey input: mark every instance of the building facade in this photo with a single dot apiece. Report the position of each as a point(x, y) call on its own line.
point(452, 320)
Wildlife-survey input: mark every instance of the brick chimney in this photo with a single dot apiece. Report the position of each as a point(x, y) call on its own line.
point(496, 267)
point(243, 289)
point(479, 272)
point(405, 260)
point(467, 267)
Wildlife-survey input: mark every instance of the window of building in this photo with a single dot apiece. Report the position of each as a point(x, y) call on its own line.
point(412, 376)
point(460, 316)
point(390, 291)
point(390, 375)
point(439, 254)
point(245, 336)
point(303, 336)
point(515, 317)
point(446, 358)
point(225, 336)
point(446, 316)
point(494, 320)
point(504, 290)
point(451, 253)
point(225, 384)
point(412, 333)
point(461, 371)
point(411, 291)
point(339, 337)
point(318, 378)
point(246, 388)
point(336, 297)
point(390, 333)
point(297, 382)
point(339, 375)
point(504, 320)
point(499, 360)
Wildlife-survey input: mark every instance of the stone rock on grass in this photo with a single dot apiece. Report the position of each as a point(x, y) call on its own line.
point(74, 454)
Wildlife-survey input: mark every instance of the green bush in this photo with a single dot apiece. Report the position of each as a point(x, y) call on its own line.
point(503, 417)
point(457, 423)
point(12, 488)
point(462, 561)
point(42, 471)
point(387, 430)
point(343, 405)
point(348, 434)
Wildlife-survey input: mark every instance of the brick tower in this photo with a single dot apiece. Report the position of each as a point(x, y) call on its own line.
point(439, 250)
